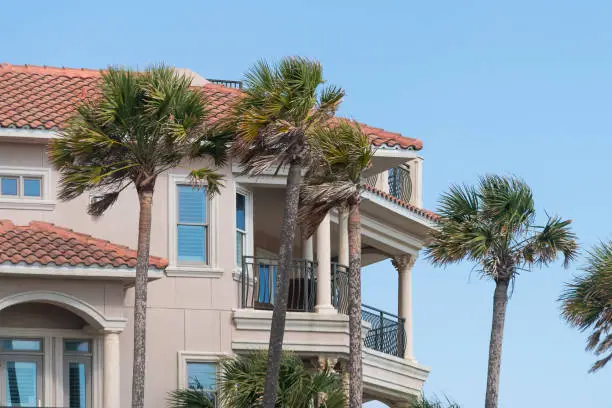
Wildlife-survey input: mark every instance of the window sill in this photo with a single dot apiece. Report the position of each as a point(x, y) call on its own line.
point(205, 271)
point(25, 204)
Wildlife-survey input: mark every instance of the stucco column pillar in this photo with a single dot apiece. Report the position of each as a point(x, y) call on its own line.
point(111, 370)
point(307, 249)
point(324, 299)
point(403, 264)
point(343, 243)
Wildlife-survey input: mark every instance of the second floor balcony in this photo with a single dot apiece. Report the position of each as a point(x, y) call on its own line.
point(382, 331)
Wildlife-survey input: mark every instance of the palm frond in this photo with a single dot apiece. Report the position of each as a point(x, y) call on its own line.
point(586, 302)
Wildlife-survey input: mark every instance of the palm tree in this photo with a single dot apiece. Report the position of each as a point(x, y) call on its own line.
point(493, 225)
point(342, 153)
point(272, 120)
point(141, 125)
point(587, 303)
point(242, 383)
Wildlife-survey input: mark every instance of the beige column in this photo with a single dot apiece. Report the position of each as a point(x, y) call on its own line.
point(307, 249)
point(343, 243)
point(324, 300)
point(403, 264)
point(111, 370)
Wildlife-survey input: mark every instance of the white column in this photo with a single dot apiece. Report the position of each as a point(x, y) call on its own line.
point(324, 304)
point(307, 249)
point(403, 264)
point(111, 370)
point(343, 243)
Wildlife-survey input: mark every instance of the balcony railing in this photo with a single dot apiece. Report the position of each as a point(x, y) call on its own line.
point(387, 333)
point(259, 284)
point(398, 181)
point(227, 83)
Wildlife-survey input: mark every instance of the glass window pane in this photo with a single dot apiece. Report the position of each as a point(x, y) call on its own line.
point(241, 212)
point(8, 186)
point(31, 187)
point(76, 385)
point(192, 243)
point(191, 205)
point(201, 376)
point(21, 384)
point(21, 345)
point(81, 346)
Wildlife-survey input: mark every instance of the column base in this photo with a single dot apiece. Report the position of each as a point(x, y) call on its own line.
point(325, 309)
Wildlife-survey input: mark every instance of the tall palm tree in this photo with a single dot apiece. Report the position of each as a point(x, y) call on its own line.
point(493, 225)
point(280, 106)
point(140, 125)
point(342, 153)
point(587, 303)
point(243, 378)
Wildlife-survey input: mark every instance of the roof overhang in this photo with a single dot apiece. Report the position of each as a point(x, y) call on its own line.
point(27, 135)
point(126, 275)
point(387, 157)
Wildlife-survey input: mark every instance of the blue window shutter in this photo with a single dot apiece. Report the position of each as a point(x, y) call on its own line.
point(192, 205)
point(241, 212)
point(191, 229)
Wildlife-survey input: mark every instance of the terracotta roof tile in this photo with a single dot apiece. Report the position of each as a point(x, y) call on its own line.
point(47, 244)
point(430, 215)
point(35, 97)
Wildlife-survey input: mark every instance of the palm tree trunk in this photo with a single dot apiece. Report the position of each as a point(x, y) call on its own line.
point(145, 196)
point(355, 340)
point(500, 301)
point(277, 330)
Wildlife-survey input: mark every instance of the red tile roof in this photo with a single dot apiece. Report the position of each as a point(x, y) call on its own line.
point(430, 215)
point(47, 244)
point(35, 97)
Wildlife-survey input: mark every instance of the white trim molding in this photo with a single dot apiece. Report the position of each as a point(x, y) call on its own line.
point(47, 200)
point(71, 272)
point(400, 210)
point(185, 357)
point(260, 320)
point(23, 134)
point(175, 269)
point(83, 309)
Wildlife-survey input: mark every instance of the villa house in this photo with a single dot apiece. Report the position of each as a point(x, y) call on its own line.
point(66, 278)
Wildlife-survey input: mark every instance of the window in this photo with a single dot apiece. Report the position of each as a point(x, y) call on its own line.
point(77, 373)
point(192, 225)
point(21, 372)
point(241, 228)
point(20, 186)
point(201, 376)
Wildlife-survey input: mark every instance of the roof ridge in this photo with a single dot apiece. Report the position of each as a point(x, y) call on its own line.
point(50, 70)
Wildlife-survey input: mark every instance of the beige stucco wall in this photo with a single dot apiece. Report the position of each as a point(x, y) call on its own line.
point(185, 313)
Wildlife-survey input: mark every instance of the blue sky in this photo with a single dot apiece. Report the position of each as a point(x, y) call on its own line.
point(520, 87)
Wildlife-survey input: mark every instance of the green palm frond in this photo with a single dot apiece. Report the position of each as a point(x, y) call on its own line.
point(190, 398)
point(434, 403)
point(281, 104)
point(341, 152)
point(140, 125)
point(243, 378)
point(492, 225)
point(586, 302)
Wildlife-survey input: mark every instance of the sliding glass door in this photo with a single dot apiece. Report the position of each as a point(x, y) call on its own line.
point(21, 379)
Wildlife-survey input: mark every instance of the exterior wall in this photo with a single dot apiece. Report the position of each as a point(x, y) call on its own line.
point(185, 313)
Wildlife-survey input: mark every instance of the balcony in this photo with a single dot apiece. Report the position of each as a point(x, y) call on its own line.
point(383, 331)
point(396, 181)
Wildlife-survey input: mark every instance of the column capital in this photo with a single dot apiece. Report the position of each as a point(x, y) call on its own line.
point(403, 262)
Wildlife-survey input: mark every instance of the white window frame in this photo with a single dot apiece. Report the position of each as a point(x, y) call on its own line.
point(249, 244)
point(175, 269)
point(47, 189)
point(185, 357)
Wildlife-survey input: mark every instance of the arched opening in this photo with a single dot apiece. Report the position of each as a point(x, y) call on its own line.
point(51, 350)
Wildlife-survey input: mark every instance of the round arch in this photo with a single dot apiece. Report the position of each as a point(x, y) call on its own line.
point(82, 309)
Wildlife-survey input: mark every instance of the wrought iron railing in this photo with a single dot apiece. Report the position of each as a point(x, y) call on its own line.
point(387, 333)
point(340, 297)
point(259, 284)
point(400, 184)
point(227, 83)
